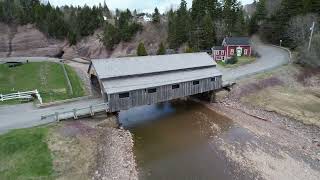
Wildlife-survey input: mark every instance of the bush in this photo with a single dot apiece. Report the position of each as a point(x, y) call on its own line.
point(161, 50)
point(141, 51)
point(232, 60)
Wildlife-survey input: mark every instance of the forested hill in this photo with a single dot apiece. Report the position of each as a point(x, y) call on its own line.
point(199, 28)
point(290, 23)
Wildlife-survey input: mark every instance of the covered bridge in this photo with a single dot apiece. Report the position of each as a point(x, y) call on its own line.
point(136, 81)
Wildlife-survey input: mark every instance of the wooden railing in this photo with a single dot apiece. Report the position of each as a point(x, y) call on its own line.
point(21, 95)
point(77, 112)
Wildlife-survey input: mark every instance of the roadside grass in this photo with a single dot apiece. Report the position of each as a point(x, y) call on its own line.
point(24, 154)
point(47, 77)
point(243, 60)
point(298, 97)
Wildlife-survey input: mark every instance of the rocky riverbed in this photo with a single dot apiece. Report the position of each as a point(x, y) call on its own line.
point(92, 149)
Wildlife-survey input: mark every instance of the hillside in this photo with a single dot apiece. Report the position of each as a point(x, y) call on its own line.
point(28, 41)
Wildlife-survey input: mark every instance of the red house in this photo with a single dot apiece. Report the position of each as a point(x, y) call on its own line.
point(240, 46)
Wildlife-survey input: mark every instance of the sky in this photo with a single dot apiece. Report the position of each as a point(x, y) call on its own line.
point(140, 5)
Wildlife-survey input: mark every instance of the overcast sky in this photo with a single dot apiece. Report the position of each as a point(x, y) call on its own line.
point(141, 5)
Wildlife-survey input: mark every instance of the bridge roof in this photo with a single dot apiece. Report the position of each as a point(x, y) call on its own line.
point(130, 83)
point(131, 66)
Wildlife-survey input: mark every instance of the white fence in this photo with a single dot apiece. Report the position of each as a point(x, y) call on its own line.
point(77, 112)
point(21, 95)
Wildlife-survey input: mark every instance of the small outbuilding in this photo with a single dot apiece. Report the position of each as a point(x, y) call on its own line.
point(240, 46)
point(135, 81)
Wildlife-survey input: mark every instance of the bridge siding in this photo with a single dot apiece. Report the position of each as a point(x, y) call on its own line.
point(164, 93)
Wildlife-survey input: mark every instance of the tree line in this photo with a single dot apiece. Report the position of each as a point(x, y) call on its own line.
point(59, 22)
point(206, 23)
point(290, 23)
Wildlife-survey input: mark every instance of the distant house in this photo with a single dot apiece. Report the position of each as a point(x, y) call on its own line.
point(241, 46)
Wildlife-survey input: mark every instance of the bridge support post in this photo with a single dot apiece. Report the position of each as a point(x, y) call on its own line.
point(212, 97)
point(91, 111)
point(57, 116)
point(75, 114)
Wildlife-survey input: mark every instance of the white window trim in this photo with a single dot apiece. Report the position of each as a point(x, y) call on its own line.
point(245, 52)
point(231, 51)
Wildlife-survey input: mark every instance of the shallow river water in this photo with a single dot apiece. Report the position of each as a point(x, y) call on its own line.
point(174, 141)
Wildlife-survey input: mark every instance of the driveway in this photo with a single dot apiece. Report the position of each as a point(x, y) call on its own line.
point(271, 57)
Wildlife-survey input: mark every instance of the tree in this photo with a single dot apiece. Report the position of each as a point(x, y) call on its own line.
point(261, 12)
point(230, 9)
point(141, 51)
point(110, 36)
point(161, 50)
point(156, 16)
point(182, 24)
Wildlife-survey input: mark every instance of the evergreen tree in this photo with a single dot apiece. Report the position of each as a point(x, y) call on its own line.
point(141, 51)
point(230, 9)
point(208, 37)
point(172, 29)
point(161, 50)
point(261, 11)
point(156, 16)
point(182, 24)
point(111, 36)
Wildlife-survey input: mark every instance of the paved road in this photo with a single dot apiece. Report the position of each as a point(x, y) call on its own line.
point(26, 115)
point(271, 57)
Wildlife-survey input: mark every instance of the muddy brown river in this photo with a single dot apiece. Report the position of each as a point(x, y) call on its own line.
point(174, 141)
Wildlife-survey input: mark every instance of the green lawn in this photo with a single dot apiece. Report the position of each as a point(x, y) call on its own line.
point(24, 154)
point(241, 61)
point(47, 77)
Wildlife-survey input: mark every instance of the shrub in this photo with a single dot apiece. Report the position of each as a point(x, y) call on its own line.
point(232, 60)
point(141, 51)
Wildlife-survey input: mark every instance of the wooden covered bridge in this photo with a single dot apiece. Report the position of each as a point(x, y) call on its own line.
point(136, 81)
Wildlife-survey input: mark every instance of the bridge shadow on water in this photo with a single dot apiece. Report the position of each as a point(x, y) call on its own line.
point(173, 140)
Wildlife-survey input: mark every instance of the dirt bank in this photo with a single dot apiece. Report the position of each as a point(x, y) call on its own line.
point(92, 149)
point(281, 146)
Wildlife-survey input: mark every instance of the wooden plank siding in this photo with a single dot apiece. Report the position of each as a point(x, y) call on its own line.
point(164, 93)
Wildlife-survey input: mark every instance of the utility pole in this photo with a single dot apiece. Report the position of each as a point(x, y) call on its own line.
point(311, 29)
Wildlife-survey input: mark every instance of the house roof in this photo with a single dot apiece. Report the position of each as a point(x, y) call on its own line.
point(133, 66)
point(217, 48)
point(237, 41)
point(126, 84)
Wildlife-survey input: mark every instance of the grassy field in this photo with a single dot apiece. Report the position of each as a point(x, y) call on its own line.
point(241, 61)
point(24, 154)
point(47, 77)
point(296, 96)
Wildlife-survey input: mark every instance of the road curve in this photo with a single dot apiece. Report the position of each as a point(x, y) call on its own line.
point(271, 57)
point(26, 115)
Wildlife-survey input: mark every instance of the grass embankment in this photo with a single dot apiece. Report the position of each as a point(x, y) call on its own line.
point(47, 77)
point(24, 154)
point(241, 61)
point(292, 91)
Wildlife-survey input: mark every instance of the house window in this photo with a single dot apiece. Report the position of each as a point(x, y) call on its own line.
point(196, 82)
point(217, 53)
point(231, 51)
point(176, 86)
point(124, 95)
point(222, 53)
point(245, 52)
point(213, 79)
point(152, 90)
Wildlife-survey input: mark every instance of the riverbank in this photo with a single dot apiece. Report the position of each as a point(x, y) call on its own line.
point(283, 145)
point(92, 149)
point(85, 149)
